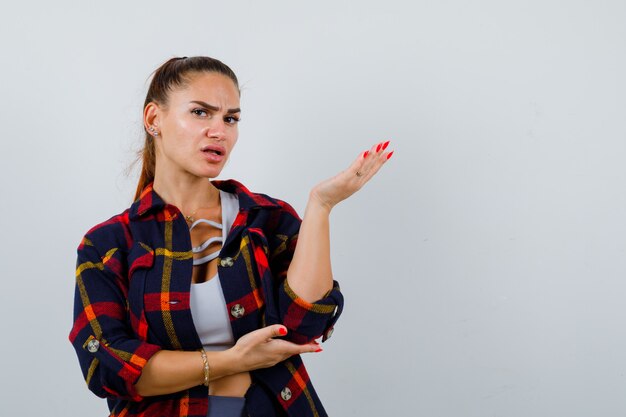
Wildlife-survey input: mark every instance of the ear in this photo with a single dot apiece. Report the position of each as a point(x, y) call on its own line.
point(151, 115)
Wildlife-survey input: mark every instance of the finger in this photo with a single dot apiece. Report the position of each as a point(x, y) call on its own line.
point(266, 333)
point(312, 348)
point(375, 167)
point(356, 168)
point(278, 330)
point(381, 150)
point(295, 349)
point(367, 157)
point(374, 159)
point(380, 147)
point(370, 161)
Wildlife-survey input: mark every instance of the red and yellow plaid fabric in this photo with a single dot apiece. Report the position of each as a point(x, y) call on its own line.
point(133, 276)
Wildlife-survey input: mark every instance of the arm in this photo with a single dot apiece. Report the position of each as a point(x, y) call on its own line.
point(115, 363)
point(110, 357)
point(309, 301)
point(172, 371)
point(309, 273)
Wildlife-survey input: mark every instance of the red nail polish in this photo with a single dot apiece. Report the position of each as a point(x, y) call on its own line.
point(386, 144)
point(389, 154)
point(378, 147)
point(365, 154)
point(319, 349)
point(282, 331)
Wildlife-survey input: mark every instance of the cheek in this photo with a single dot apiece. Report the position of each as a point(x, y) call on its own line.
point(176, 147)
point(186, 127)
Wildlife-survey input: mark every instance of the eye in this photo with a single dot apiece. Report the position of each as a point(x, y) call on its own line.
point(232, 120)
point(200, 112)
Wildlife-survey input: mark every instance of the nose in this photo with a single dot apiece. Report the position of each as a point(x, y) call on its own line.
point(217, 129)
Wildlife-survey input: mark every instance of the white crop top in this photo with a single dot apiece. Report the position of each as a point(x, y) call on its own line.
point(207, 303)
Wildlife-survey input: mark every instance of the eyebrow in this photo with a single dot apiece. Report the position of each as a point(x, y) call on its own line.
point(215, 108)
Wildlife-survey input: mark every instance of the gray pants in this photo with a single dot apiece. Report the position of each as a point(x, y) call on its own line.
point(226, 406)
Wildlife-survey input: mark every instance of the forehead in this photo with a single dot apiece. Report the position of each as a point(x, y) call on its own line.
point(208, 86)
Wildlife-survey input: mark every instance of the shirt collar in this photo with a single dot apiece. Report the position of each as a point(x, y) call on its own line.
point(149, 200)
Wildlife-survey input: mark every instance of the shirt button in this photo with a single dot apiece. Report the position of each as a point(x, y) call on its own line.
point(237, 311)
point(227, 262)
point(329, 333)
point(286, 394)
point(93, 345)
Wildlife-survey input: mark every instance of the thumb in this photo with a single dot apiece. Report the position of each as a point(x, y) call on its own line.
point(277, 330)
point(266, 333)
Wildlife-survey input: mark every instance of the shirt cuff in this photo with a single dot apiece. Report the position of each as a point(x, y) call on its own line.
point(120, 369)
point(308, 321)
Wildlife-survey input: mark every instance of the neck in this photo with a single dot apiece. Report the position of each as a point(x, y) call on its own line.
point(187, 193)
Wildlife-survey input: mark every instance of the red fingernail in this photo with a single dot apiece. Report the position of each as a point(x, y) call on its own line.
point(378, 147)
point(282, 331)
point(386, 144)
point(365, 154)
point(389, 154)
point(319, 350)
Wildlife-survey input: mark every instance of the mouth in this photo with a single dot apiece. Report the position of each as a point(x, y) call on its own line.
point(214, 150)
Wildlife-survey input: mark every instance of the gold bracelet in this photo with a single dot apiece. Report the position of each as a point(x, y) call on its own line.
point(206, 367)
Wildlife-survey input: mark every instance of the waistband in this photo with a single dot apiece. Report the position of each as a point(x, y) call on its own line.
point(226, 406)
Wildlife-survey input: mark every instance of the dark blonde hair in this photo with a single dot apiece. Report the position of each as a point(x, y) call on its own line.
point(174, 73)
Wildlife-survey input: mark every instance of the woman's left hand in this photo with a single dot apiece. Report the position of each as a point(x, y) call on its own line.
point(336, 189)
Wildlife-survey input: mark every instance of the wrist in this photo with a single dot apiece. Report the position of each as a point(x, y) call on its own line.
point(206, 374)
point(236, 360)
point(317, 203)
point(224, 363)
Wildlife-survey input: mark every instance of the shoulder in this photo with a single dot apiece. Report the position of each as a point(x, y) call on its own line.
point(254, 200)
point(108, 234)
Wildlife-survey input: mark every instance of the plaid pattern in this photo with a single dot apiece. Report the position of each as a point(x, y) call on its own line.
point(133, 276)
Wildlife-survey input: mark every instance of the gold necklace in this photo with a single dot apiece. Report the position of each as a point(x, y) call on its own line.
point(190, 218)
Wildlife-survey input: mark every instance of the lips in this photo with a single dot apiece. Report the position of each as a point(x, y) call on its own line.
point(216, 149)
point(214, 152)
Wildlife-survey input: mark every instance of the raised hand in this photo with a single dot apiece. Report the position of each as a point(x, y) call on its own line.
point(336, 189)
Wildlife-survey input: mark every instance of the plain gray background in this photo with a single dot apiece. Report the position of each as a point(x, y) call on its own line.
point(483, 268)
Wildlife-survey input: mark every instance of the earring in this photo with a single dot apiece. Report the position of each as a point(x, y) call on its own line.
point(153, 131)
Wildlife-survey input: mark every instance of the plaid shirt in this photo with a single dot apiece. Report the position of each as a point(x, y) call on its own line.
point(133, 277)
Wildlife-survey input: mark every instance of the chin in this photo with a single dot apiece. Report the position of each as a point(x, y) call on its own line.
point(210, 174)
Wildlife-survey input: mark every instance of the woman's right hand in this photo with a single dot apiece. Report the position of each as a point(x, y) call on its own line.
point(170, 371)
point(260, 349)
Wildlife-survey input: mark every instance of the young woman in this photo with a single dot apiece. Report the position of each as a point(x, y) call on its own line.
point(200, 297)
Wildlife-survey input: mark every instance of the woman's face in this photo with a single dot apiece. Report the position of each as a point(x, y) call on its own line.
point(198, 127)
